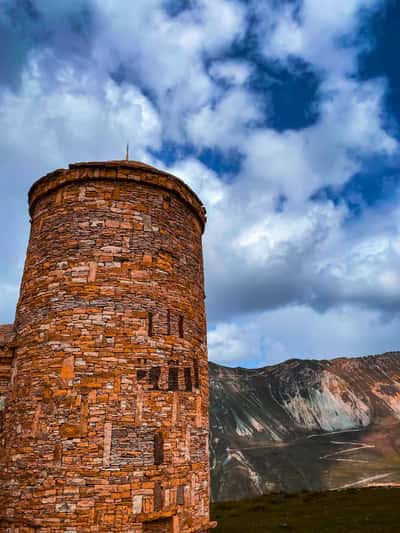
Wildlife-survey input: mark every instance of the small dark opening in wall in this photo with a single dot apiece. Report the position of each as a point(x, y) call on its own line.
point(141, 374)
point(188, 379)
point(150, 324)
point(158, 448)
point(196, 373)
point(173, 378)
point(155, 376)
point(180, 326)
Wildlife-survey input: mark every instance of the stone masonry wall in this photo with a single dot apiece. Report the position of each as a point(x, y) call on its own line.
point(6, 357)
point(106, 417)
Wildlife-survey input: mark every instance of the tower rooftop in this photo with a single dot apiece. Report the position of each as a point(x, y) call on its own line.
point(114, 171)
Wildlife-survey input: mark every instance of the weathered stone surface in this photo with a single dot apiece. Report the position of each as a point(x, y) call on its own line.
point(7, 339)
point(109, 360)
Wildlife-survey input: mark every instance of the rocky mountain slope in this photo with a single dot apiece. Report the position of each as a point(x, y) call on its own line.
point(305, 424)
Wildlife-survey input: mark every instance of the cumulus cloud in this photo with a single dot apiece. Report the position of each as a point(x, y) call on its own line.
point(350, 129)
point(201, 179)
point(226, 123)
point(78, 115)
point(231, 71)
point(313, 256)
point(164, 53)
point(270, 338)
point(323, 34)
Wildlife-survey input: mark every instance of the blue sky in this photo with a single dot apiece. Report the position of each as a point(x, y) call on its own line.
point(283, 115)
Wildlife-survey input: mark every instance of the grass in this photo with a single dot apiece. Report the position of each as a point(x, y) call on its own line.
point(374, 510)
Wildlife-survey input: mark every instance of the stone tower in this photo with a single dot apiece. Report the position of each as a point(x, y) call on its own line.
point(105, 408)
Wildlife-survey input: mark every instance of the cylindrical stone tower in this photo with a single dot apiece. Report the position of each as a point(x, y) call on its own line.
point(105, 426)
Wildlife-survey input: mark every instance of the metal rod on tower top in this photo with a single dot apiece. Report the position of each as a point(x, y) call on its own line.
point(127, 152)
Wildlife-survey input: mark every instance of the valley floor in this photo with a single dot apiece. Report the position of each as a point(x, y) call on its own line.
point(372, 510)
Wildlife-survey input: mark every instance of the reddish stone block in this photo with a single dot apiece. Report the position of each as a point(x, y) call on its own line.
point(67, 370)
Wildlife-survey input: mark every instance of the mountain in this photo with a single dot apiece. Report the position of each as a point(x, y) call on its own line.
point(305, 425)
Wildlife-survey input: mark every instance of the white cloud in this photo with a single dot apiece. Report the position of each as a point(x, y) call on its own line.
point(225, 124)
point(166, 54)
point(350, 128)
point(231, 71)
point(232, 342)
point(310, 255)
point(202, 180)
point(300, 332)
point(77, 117)
point(314, 32)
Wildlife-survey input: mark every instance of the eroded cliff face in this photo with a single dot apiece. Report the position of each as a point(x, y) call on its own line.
point(305, 425)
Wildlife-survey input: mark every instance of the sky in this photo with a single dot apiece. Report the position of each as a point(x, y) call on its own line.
point(283, 115)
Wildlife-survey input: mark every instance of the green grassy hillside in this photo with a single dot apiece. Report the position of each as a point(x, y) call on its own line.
point(374, 510)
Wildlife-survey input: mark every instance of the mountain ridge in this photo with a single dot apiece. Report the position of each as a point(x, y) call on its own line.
point(310, 359)
point(269, 426)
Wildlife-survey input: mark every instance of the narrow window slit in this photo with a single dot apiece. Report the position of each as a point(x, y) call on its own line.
point(180, 326)
point(155, 377)
point(173, 378)
point(188, 379)
point(141, 374)
point(150, 324)
point(158, 448)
